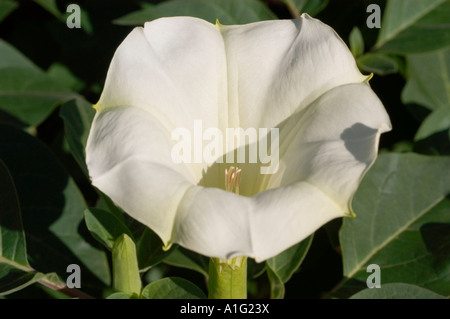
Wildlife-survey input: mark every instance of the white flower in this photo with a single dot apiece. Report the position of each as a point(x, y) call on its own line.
point(294, 75)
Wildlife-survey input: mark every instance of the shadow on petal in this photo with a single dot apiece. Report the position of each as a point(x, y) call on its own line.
point(358, 141)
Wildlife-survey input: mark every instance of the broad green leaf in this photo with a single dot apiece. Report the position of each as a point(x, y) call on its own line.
point(402, 224)
point(397, 291)
point(125, 266)
point(77, 115)
point(356, 42)
point(312, 7)
point(52, 209)
point(281, 267)
point(437, 121)
point(150, 249)
point(377, 63)
point(6, 7)
point(428, 79)
point(172, 288)
point(414, 26)
point(12, 238)
point(27, 92)
point(50, 6)
point(226, 11)
point(179, 259)
point(105, 226)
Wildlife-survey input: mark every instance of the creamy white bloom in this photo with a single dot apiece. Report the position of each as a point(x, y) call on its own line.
point(295, 75)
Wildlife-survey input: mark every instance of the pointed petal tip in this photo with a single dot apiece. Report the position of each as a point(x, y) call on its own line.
point(368, 78)
point(167, 246)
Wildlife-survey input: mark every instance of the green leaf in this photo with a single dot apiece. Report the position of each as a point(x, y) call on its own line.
point(437, 121)
point(281, 267)
point(26, 92)
point(402, 224)
point(428, 79)
point(78, 115)
point(377, 63)
point(414, 26)
point(13, 58)
point(312, 7)
point(356, 42)
point(397, 291)
point(105, 226)
point(227, 11)
point(52, 209)
point(122, 295)
point(6, 7)
point(12, 238)
point(150, 250)
point(13, 279)
point(172, 288)
point(15, 272)
point(179, 259)
point(125, 266)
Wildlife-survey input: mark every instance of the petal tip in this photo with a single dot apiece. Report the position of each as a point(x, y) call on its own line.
point(368, 78)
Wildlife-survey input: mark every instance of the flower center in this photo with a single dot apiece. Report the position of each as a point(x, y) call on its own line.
point(232, 179)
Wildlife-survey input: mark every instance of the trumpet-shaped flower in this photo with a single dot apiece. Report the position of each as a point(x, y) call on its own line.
point(295, 76)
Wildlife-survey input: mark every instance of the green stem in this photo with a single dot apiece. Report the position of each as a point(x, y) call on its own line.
point(227, 278)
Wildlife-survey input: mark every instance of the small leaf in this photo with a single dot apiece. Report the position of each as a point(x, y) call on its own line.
point(377, 63)
point(150, 250)
point(281, 267)
point(414, 26)
point(105, 226)
point(172, 288)
point(179, 259)
point(125, 266)
point(227, 11)
point(397, 291)
point(13, 279)
point(26, 92)
point(77, 115)
point(356, 42)
point(428, 79)
point(437, 121)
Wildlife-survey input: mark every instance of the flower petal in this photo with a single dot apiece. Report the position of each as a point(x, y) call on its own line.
point(127, 154)
point(277, 67)
point(174, 69)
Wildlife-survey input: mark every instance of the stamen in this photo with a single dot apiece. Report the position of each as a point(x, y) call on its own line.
point(232, 179)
